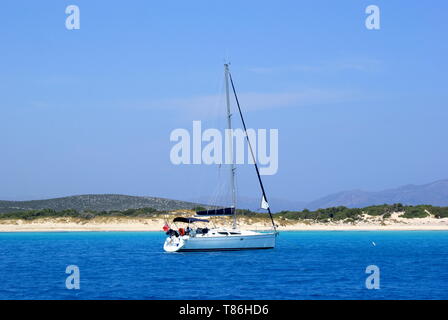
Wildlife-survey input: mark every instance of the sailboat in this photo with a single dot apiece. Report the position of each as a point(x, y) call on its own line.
point(193, 238)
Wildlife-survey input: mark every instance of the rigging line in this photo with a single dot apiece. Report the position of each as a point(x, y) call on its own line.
point(218, 200)
point(212, 117)
point(251, 150)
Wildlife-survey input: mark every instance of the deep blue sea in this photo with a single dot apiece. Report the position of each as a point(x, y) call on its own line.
point(304, 265)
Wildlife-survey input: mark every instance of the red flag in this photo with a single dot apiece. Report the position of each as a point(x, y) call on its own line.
point(166, 227)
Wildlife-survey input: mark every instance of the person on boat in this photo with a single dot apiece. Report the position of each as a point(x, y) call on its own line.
point(172, 232)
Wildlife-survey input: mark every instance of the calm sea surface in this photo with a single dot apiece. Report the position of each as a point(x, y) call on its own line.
point(305, 265)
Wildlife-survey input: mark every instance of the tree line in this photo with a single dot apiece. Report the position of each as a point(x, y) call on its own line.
point(320, 215)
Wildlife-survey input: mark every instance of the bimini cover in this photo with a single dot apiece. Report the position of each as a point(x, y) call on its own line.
point(189, 220)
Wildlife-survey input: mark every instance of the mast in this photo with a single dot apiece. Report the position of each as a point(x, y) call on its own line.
point(251, 151)
point(230, 144)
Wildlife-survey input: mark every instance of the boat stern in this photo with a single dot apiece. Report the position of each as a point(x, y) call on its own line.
point(173, 244)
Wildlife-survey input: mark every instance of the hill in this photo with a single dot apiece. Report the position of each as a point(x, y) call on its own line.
point(435, 193)
point(96, 202)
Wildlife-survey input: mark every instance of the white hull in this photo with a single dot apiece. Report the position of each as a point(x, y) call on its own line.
point(221, 240)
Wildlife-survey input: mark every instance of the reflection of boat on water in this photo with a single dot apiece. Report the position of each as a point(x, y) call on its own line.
point(194, 238)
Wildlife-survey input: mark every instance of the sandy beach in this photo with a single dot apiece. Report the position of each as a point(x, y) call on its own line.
point(395, 222)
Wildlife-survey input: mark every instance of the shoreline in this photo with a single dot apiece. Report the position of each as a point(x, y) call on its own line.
point(279, 230)
point(123, 224)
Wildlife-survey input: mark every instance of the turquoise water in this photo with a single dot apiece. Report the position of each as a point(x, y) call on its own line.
point(305, 265)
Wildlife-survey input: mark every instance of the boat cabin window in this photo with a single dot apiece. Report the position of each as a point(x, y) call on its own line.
point(222, 232)
point(235, 232)
point(202, 230)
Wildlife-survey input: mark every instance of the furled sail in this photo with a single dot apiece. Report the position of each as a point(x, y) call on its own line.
point(217, 212)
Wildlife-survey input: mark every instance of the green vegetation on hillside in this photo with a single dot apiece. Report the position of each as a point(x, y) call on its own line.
point(384, 211)
point(320, 215)
point(50, 213)
point(96, 202)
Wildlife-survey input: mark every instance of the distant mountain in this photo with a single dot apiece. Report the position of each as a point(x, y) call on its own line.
point(97, 202)
point(276, 204)
point(435, 193)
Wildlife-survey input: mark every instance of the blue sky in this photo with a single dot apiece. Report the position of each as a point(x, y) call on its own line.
point(91, 110)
